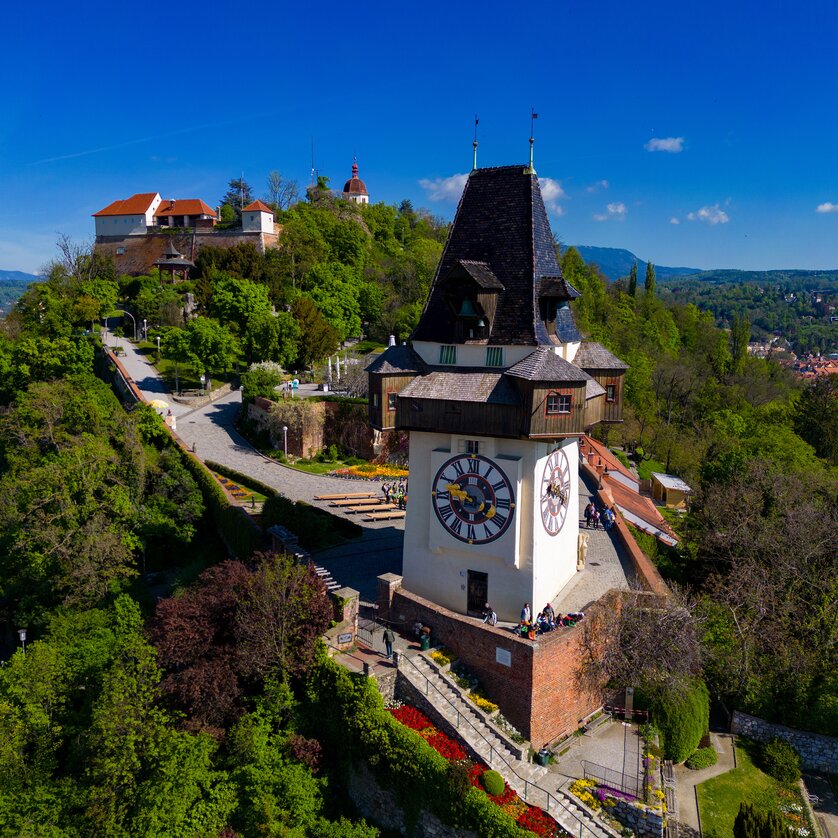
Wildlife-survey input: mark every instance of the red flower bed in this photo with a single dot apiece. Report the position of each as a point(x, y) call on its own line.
point(411, 717)
point(450, 749)
point(531, 818)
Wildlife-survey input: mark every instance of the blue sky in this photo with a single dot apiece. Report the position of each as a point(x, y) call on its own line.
point(701, 136)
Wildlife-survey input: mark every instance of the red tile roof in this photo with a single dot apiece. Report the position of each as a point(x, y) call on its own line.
point(135, 205)
point(642, 510)
point(601, 452)
point(258, 205)
point(184, 206)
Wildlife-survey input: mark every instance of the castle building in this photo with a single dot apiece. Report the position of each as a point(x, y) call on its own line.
point(355, 189)
point(495, 388)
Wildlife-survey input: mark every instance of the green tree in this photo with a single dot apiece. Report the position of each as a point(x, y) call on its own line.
point(632, 286)
point(272, 337)
point(176, 346)
point(649, 283)
point(238, 195)
point(335, 290)
point(212, 346)
point(816, 417)
point(317, 337)
point(237, 300)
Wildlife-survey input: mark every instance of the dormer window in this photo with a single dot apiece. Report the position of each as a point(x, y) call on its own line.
point(494, 356)
point(447, 354)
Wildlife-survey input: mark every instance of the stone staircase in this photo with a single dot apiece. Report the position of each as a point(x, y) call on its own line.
point(327, 578)
point(533, 783)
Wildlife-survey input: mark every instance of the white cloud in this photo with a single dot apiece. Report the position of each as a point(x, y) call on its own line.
point(552, 193)
point(616, 210)
point(827, 207)
point(674, 220)
point(673, 145)
point(712, 215)
point(444, 188)
point(600, 185)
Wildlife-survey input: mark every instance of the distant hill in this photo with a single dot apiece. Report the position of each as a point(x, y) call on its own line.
point(12, 286)
point(18, 276)
point(799, 279)
point(615, 262)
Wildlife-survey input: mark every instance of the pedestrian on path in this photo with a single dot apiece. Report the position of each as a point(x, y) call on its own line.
point(389, 639)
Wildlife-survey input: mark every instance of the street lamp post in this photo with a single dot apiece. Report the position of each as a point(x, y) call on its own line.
point(133, 320)
point(158, 348)
point(285, 439)
point(145, 329)
point(203, 381)
point(22, 635)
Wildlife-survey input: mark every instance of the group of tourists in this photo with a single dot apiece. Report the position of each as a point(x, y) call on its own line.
point(395, 493)
point(595, 515)
point(546, 620)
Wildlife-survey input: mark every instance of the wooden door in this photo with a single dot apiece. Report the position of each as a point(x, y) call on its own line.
point(478, 592)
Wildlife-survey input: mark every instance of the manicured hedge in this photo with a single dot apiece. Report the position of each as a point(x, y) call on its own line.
point(682, 717)
point(780, 760)
point(349, 713)
point(702, 758)
point(239, 531)
point(316, 528)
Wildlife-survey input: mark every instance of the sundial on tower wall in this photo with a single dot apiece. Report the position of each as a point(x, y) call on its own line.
point(495, 387)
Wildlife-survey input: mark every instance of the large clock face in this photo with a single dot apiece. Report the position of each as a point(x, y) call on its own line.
point(555, 492)
point(473, 498)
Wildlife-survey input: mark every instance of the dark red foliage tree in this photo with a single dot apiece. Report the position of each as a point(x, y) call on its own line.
point(195, 635)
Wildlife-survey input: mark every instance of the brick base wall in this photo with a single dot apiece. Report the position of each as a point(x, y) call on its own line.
point(540, 692)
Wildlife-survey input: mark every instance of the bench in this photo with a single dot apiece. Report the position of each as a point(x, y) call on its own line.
point(351, 510)
point(385, 516)
point(345, 496)
point(372, 501)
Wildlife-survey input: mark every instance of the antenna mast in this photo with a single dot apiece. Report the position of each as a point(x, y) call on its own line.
point(474, 162)
point(533, 117)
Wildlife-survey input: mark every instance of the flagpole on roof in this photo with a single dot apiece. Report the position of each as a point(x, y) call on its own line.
point(533, 117)
point(474, 162)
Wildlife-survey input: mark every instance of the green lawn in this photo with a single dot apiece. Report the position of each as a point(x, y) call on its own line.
point(719, 798)
point(646, 467)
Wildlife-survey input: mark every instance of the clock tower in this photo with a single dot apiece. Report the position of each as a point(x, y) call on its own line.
point(495, 389)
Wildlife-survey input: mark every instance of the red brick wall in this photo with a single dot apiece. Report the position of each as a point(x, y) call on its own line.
point(540, 693)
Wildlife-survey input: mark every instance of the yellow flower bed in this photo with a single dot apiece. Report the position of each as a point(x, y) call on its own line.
point(483, 703)
point(372, 472)
point(583, 789)
point(443, 656)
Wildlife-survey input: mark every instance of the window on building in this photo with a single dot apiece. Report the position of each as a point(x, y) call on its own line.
point(494, 356)
point(610, 392)
point(391, 400)
point(375, 399)
point(558, 403)
point(469, 446)
point(447, 354)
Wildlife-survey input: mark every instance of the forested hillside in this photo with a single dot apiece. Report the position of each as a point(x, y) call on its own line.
point(760, 451)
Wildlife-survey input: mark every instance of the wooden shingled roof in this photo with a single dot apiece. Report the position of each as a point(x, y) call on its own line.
point(545, 365)
point(501, 222)
point(398, 360)
point(464, 385)
point(594, 356)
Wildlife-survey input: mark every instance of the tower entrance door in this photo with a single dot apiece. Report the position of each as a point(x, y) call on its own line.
point(478, 592)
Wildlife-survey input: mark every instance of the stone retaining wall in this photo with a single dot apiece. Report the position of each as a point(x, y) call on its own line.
point(817, 752)
point(644, 822)
point(381, 807)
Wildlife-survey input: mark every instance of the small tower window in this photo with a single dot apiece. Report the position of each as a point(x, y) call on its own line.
point(610, 393)
point(447, 354)
point(391, 400)
point(558, 403)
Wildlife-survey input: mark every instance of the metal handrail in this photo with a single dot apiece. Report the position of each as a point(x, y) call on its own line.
point(604, 774)
point(492, 749)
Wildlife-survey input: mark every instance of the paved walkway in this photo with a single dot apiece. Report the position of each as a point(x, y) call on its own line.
point(687, 779)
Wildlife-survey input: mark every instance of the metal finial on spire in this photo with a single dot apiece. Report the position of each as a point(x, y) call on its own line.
point(533, 117)
point(474, 162)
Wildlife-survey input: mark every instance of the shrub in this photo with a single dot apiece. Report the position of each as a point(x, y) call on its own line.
point(682, 718)
point(443, 656)
point(702, 758)
point(493, 783)
point(751, 823)
point(780, 760)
